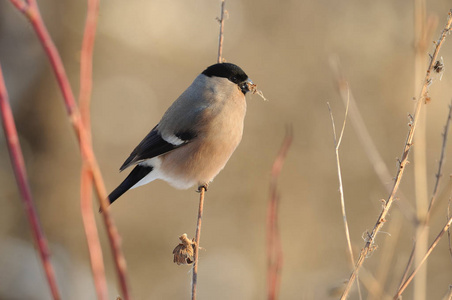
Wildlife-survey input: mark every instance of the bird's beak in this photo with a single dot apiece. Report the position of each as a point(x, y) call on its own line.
point(247, 86)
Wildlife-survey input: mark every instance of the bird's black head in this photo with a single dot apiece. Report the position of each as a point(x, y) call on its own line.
point(230, 71)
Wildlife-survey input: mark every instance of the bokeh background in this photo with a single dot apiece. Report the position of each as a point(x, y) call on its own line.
point(147, 53)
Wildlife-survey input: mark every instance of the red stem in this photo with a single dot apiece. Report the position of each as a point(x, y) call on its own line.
point(92, 235)
point(274, 246)
point(31, 11)
point(86, 186)
point(86, 62)
point(20, 172)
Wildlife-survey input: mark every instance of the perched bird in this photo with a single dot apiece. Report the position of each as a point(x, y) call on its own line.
point(197, 134)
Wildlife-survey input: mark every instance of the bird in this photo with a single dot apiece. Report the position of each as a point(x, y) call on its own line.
point(196, 135)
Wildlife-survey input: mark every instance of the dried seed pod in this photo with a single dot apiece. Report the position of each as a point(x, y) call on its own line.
point(183, 253)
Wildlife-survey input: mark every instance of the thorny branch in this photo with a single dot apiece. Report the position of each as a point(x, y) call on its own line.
point(403, 161)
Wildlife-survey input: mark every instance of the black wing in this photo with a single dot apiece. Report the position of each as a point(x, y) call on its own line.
point(154, 145)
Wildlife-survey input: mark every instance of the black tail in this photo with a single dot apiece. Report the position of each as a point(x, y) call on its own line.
point(138, 173)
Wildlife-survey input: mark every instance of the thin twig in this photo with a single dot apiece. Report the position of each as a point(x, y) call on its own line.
point(367, 249)
point(429, 251)
point(448, 295)
point(221, 35)
point(441, 161)
point(92, 236)
point(18, 164)
point(341, 189)
point(202, 190)
point(448, 231)
point(434, 195)
point(337, 144)
point(31, 11)
point(386, 263)
point(274, 246)
point(86, 63)
point(372, 285)
point(370, 148)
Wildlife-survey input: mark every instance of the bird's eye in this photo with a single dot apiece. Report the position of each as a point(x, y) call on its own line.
point(234, 79)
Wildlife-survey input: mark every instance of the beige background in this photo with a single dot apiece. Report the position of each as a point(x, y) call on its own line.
point(147, 53)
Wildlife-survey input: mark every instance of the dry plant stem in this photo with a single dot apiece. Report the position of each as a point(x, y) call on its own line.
point(221, 35)
point(92, 236)
point(420, 151)
point(386, 264)
point(440, 163)
point(448, 231)
point(403, 161)
point(448, 295)
point(429, 251)
point(380, 167)
point(337, 144)
point(31, 11)
point(434, 194)
point(20, 172)
point(274, 246)
point(202, 190)
point(373, 286)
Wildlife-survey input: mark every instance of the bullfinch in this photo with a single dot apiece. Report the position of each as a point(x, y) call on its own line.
point(197, 134)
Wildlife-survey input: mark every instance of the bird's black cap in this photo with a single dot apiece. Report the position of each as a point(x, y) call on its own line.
point(226, 70)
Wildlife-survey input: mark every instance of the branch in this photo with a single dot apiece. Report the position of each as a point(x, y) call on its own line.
point(406, 149)
point(441, 161)
point(434, 193)
point(86, 63)
point(370, 148)
point(17, 161)
point(448, 231)
point(92, 235)
point(429, 251)
point(31, 10)
point(221, 35)
point(337, 144)
point(201, 190)
point(274, 247)
point(86, 182)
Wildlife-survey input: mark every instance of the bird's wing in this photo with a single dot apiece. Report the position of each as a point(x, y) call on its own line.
point(154, 144)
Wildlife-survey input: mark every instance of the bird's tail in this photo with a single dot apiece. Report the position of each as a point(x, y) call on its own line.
point(138, 173)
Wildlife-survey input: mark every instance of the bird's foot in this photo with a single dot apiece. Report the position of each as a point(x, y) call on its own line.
point(202, 186)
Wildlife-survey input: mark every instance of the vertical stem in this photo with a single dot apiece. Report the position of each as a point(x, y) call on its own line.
point(221, 36)
point(86, 185)
point(274, 246)
point(92, 236)
point(403, 161)
point(419, 153)
point(424, 258)
point(31, 10)
point(201, 190)
point(17, 161)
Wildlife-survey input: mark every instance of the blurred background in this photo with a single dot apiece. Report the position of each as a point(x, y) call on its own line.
point(146, 54)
